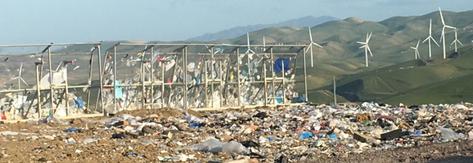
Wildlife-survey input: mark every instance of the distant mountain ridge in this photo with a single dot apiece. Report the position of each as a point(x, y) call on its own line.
point(240, 30)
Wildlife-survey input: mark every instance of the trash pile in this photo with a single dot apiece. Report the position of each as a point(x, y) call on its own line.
point(284, 134)
point(303, 132)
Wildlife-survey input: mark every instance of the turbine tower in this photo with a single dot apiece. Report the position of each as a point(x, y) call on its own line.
point(442, 39)
point(311, 47)
point(430, 39)
point(365, 45)
point(416, 51)
point(456, 42)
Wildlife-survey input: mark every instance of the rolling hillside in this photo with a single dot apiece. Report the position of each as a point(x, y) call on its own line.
point(390, 44)
point(237, 31)
point(413, 82)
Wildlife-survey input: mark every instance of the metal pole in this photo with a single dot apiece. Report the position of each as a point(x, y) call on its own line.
point(273, 74)
point(206, 86)
point(305, 76)
point(220, 83)
point(101, 80)
point(152, 77)
point(162, 84)
point(212, 78)
point(67, 91)
point(38, 91)
point(143, 95)
point(114, 78)
point(238, 77)
point(90, 78)
point(265, 85)
point(283, 83)
point(184, 70)
point(334, 91)
point(51, 90)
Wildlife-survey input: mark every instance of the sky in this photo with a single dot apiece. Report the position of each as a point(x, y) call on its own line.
point(61, 21)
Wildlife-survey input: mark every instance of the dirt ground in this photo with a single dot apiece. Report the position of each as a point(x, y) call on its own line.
point(47, 142)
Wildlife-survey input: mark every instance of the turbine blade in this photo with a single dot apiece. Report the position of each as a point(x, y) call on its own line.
point(248, 39)
point(459, 42)
point(427, 39)
point(430, 28)
point(310, 35)
point(361, 42)
point(24, 81)
point(435, 42)
point(441, 16)
point(369, 50)
point(307, 50)
point(447, 26)
point(320, 46)
point(417, 46)
point(441, 36)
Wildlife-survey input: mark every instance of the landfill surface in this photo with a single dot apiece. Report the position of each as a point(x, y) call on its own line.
point(366, 132)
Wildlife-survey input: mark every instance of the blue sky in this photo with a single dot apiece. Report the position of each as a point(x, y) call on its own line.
point(44, 21)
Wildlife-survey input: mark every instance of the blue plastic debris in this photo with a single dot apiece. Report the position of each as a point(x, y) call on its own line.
point(196, 125)
point(79, 103)
point(299, 99)
point(306, 135)
point(72, 130)
point(279, 63)
point(417, 133)
point(279, 100)
point(332, 136)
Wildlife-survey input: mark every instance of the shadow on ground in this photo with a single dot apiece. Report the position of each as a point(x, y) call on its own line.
point(454, 159)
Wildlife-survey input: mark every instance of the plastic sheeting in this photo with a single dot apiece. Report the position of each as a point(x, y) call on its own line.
point(59, 77)
point(118, 90)
point(279, 63)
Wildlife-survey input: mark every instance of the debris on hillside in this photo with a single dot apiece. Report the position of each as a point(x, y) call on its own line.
point(294, 133)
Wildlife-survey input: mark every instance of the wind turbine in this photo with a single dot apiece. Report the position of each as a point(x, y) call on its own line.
point(442, 39)
point(20, 78)
point(264, 44)
point(249, 53)
point(430, 39)
point(311, 47)
point(365, 45)
point(416, 50)
point(456, 42)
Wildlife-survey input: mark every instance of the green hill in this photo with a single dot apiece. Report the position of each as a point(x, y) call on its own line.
point(411, 82)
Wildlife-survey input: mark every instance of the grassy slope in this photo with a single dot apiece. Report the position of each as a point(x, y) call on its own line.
point(410, 82)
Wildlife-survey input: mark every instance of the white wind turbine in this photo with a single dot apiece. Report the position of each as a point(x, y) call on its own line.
point(416, 50)
point(311, 47)
point(430, 39)
point(365, 45)
point(249, 53)
point(456, 42)
point(442, 39)
point(264, 44)
point(20, 78)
